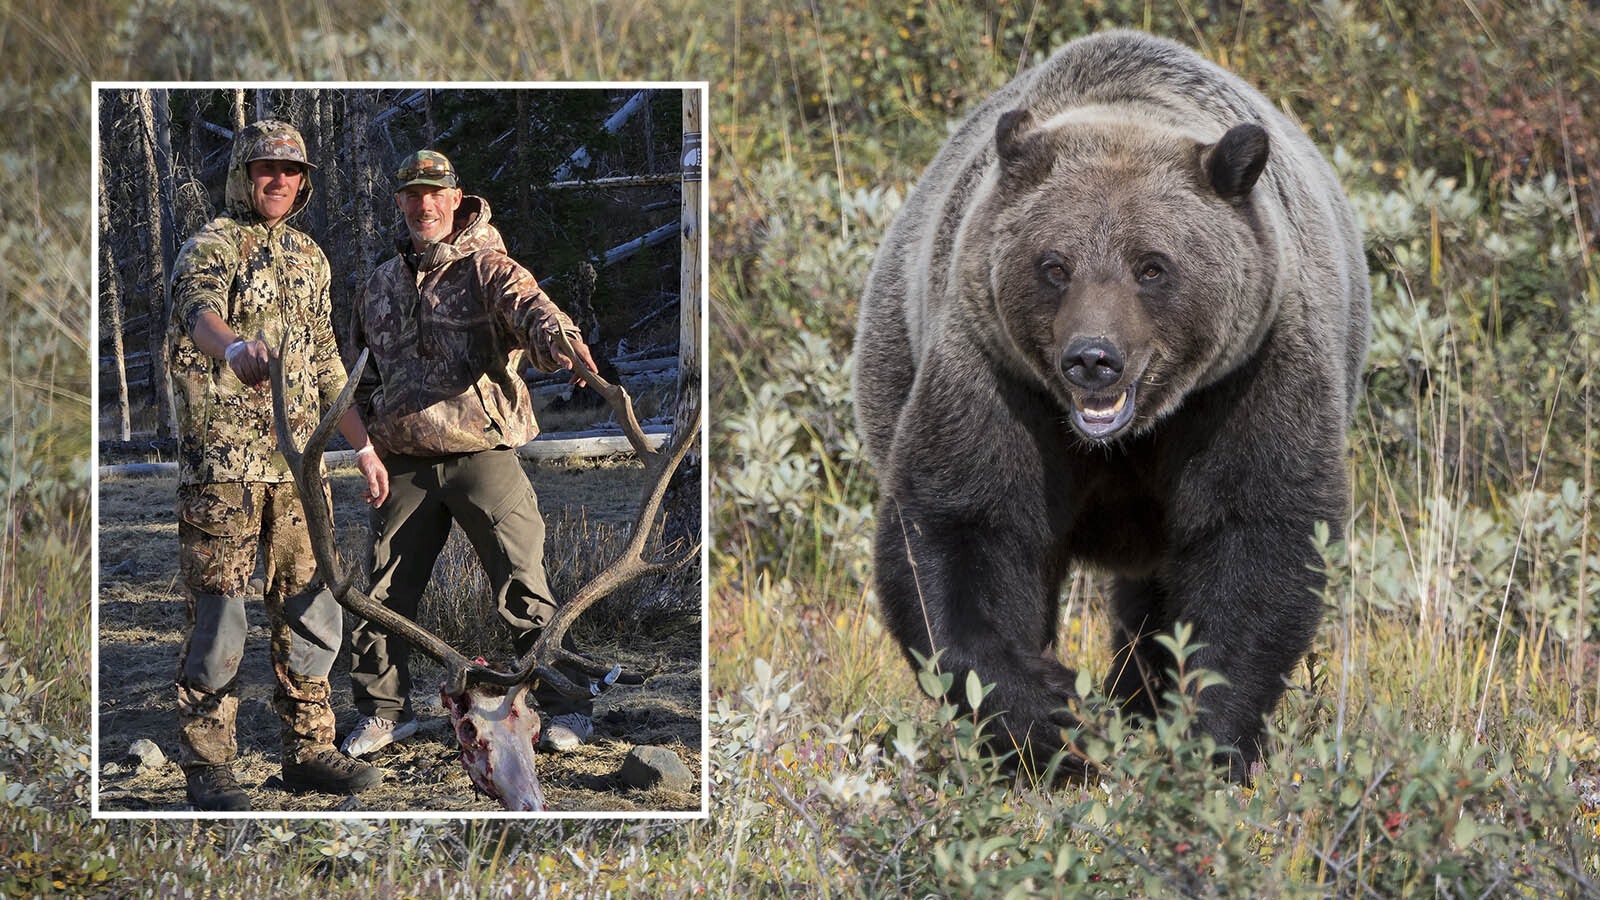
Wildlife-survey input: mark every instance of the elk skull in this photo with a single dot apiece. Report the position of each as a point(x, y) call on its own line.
point(497, 731)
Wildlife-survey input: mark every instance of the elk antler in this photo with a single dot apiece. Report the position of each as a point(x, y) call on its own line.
point(541, 661)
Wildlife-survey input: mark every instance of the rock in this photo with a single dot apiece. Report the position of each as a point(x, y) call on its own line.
point(127, 568)
point(651, 767)
point(144, 754)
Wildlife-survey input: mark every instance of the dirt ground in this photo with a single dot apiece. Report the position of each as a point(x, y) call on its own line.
point(141, 625)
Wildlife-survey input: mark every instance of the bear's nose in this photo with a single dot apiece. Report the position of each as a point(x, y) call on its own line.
point(1091, 363)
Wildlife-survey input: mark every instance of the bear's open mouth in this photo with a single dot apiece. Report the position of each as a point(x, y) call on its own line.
point(1102, 418)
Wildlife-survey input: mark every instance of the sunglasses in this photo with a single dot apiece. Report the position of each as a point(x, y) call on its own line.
point(429, 170)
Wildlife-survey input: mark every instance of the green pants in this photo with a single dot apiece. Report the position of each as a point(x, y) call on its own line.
point(490, 496)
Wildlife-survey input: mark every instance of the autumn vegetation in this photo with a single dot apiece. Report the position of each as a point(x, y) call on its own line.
point(1440, 741)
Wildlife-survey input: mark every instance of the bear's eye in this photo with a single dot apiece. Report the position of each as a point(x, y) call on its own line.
point(1055, 271)
point(1150, 270)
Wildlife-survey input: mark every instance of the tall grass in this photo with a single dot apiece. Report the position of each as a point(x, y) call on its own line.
point(1439, 742)
point(44, 452)
point(459, 607)
point(44, 405)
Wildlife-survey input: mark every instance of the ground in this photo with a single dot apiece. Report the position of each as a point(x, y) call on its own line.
point(140, 631)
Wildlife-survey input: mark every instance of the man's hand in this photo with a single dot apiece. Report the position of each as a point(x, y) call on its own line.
point(251, 361)
point(377, 475)
point(582, 350)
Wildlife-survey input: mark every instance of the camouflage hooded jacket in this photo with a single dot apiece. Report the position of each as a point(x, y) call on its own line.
point(445, 328)
point(259, 279)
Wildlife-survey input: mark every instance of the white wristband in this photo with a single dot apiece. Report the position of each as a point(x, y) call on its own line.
point(233, 349)
point(367, 449)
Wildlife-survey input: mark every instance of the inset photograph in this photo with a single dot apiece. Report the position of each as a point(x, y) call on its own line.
point(399, 494)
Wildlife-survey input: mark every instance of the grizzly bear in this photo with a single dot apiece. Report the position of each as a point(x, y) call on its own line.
point(1119, 324)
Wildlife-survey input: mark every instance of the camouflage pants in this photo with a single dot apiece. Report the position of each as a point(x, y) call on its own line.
point(221, 528)
point(490, 496)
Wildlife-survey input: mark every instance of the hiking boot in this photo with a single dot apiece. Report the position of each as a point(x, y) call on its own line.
point(330, 772)
point(566, 732)
point(374, 732)
point(214, 789)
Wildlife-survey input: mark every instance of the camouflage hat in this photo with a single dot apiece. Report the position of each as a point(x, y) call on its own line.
point(425, 167)
point(277, 140)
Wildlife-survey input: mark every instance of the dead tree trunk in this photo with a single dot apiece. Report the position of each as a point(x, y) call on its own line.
point(650, 138)
point(155, 285)
point(689, 262)
point(358, 125)
point(309, 120)
point(430, 129)
point(524, 168)
point(294, 111)
point(367, 191)
point(680, 593)
point(111, 308)
point(365, 187)
point(363, 244)
point(328, 195)
point(580, 159)
point(194, 213)
point(162, 114)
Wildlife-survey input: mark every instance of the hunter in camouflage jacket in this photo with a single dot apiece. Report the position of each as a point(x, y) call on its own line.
point(260, 280)
point(446, 327)
point(244, 274)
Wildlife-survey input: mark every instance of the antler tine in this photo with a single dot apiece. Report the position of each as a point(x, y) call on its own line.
point(306, 463)
point(306, 466)
point(540, 660)
point(615, 395)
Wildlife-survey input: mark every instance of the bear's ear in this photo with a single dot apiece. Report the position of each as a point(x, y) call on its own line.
point(1019, 143)
point(1233, 164)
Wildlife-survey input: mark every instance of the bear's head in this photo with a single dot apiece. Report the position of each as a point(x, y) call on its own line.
point(1128, 261)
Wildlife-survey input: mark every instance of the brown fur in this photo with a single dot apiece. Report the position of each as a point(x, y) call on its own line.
point(1120, 322)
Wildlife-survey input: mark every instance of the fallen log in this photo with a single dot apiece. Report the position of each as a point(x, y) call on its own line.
point(590, 444)
point(560, 445)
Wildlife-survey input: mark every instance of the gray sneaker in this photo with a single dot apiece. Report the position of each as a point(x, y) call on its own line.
point(566, 732)
point(373, 732)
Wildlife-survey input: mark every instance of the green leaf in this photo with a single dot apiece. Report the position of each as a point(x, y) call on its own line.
point(975, 689)
point(1350, 795)
point(1408, 793)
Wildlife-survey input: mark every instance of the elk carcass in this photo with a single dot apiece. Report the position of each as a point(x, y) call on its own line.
point(489, 707)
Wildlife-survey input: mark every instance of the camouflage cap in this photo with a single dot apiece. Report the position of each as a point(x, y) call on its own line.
point(277, 140)
point(425, 167)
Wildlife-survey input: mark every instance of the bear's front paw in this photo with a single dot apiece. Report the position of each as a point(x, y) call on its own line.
point(1036, 730)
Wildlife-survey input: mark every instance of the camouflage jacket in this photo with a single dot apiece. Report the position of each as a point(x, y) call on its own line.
point(264, 280)
point(446, 328)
